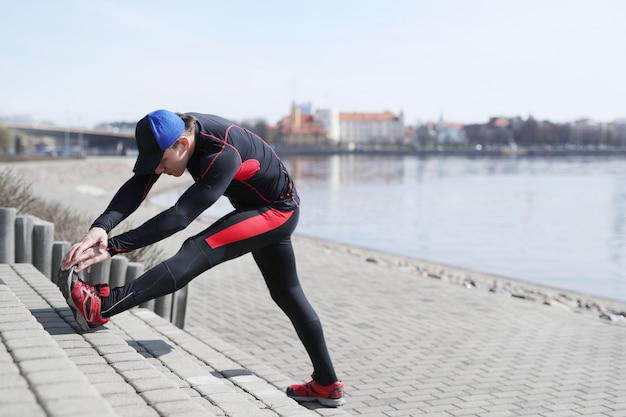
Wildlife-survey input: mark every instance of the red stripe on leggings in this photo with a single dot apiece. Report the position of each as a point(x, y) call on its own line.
point(248, 228)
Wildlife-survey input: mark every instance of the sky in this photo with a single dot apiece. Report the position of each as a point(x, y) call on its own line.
point(79, 63)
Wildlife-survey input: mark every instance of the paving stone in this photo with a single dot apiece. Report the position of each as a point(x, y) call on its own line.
point(179, 408)
point(137, 411)
point(22, 410)
point(54, 378)
point(148, 384)
point(164, 395)
point(55, 392)
point(16, 395)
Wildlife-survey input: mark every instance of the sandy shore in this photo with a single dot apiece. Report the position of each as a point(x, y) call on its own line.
point(89, 184)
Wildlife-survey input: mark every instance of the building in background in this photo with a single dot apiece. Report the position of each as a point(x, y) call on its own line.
point(301, 128)
point(329, 118)
point(354, 130)
point(347, 130)
point(440, 133)
point(371, 129)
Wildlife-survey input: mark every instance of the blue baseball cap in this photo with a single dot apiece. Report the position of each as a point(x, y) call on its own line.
point(156, 132)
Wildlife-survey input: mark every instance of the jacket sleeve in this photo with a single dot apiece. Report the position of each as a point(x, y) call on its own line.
point(127, 199)
point(219, 170)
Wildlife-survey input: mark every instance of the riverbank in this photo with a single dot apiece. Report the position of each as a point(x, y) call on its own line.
point(541, 151)
point(407, 337)
point(89, 184)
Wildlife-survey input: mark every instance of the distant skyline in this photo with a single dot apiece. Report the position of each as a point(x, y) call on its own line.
point(80, 63)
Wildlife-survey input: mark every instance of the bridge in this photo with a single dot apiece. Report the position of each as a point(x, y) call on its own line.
point(69, 140)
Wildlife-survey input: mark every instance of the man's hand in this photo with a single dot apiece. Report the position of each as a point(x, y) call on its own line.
point(89, 251)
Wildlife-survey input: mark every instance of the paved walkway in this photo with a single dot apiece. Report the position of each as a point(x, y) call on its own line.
point(406, 344)
point(139, 365)
point(409, 345)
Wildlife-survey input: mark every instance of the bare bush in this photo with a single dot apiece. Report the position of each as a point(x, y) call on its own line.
point(15, 192)
point(69, 224)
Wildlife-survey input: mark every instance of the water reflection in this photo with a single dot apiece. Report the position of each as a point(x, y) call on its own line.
point(618, 215)
point(340, 171)
point(559, 222)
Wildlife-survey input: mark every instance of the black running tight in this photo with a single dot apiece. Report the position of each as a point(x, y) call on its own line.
point(267, 234)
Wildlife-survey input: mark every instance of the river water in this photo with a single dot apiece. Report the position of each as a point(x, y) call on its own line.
point(559, 222)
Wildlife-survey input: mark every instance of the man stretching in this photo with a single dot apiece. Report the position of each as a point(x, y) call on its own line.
point(223, 159)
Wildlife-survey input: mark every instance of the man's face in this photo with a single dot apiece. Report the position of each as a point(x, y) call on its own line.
point(174, 161)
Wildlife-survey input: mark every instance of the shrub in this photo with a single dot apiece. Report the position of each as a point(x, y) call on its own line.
point(70, 225)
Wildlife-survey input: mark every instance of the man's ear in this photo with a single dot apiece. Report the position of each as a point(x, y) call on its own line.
point(184, 141)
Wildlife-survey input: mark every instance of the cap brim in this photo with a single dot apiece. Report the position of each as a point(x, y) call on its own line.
point(147, 164)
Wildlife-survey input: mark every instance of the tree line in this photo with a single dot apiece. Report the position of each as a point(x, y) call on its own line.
point(533, 133)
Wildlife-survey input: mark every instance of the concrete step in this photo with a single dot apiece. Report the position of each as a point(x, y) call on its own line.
point(36, 374)
point(137, 365)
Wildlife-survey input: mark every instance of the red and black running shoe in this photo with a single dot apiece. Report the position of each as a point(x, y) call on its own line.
point(328, 395)
point(84, 299)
